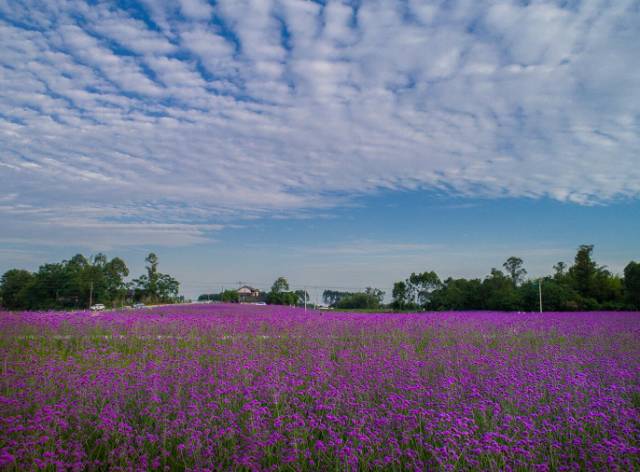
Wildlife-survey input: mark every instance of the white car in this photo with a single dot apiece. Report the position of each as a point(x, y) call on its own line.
point(98, 307)
point(138, 306)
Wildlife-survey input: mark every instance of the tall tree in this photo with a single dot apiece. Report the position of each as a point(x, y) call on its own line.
point(77, 282)
point(155, 286)
point(152, 274)
point(583, 271)
point(167, 288)
point(280, 294)
point(560, 269)
point(51, 289)
point(303, 296)
point(375, 295)
point(230, 296)
point(13, 286)
point(333, 297)
point(371, 298)
point(115, 272)
point(280, 285)
point(514, 269)
point(422, 285)
point(556, 295)
point(458, 294)
point(499, 292)
point(632, 284)
point(400, 295)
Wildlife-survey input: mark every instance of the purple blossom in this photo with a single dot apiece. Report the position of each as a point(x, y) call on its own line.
point(239, 386)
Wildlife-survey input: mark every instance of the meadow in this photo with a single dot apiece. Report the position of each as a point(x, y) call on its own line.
point(241, 387)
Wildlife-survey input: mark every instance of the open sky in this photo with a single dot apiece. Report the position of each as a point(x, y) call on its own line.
point(339, 143)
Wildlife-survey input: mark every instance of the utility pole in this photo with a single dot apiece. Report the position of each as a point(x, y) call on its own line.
point(540, 293)
point(91, 295)
point(305, 298)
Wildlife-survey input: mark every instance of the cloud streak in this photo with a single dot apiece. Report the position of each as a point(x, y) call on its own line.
point(252, 108)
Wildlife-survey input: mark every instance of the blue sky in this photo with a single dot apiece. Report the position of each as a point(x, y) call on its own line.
point(337, 143)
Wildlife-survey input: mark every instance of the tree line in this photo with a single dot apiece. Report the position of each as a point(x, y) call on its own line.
point(82, 281)
point(585, 285)
point(370, 299)
point(280, 294)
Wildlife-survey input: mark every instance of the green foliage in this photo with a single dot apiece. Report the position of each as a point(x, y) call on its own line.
point(632, 285)
point(282, 298)
point(302, 297)
point(371, 298)
point(154, 286)
point(230, 296)
point(514, 269)
point(332, 297)
point(421, 286)
point(415, 291)
point(557, 296)
point(73, 283)
point(80, 281)
point(583, 286)
point(280, 294)
point(280, 285)
point(500, 293)
point(583, 271)
point(458, 294)
point(400, 296)
point(14, 282)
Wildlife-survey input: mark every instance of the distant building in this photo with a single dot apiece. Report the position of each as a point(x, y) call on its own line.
point(248, 294)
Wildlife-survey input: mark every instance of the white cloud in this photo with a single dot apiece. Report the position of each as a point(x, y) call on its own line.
point(280, 107)
point(196, 9)
point(103, 228)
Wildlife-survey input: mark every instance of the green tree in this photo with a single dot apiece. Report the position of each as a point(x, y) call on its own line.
point(74, 287)
point(583, 271)
point(154, 286)
point(52, 288)
point(632, 285)
point(282, 298)
point(280, 294)
point(596, 286)
point(94, 280)
point(167, 288)
point(560, 269)
point(458, 294)
point(115, 272)
point(608, 290)
point(422, 285)
point(303, 297)
point(400, 295)
point(13, 286)
point(516, 272)
point(499, 292)
point(556, 295)
point(230, 296)
point(370, 299)
point(210, 297)
point(280, 285)
point(375, 295)
point(332, 297)
point(152, 275)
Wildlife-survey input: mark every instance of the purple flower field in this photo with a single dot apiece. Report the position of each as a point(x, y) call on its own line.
point(217, 387)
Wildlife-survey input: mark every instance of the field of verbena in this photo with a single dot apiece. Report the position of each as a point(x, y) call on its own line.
point(247, 387)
